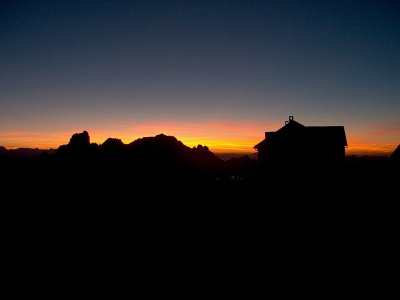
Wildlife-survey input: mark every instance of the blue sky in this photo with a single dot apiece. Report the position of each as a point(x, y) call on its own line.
point(116, 65)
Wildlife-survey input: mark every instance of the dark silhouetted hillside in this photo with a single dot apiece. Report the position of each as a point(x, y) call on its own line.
point(160, 158)
point(167, 154)
point(163, 164)
point(78, 148)
point(22, 153)
point(113, 151)
point(113, 145)
point(396, 154)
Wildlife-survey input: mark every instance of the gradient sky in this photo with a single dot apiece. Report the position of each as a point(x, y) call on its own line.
point(217, 73)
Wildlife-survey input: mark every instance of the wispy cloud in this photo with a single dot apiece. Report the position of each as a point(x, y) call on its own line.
point(362, 148)
point(374, 139)
point(390, 128)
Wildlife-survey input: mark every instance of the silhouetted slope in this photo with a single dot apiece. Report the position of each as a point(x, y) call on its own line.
point(161, 149)
point(203, 157)
point(112, 144)
point(167, 153)
point(113, 151)
point(396, 154)
point(22, 153)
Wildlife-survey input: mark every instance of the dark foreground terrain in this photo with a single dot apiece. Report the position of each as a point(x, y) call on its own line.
point(163, 170)
point(158, 205)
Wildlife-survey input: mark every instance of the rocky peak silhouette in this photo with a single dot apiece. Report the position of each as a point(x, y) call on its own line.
point(80, 140)
point(159, 146)
point(160, 139)
point(161, 153)
point(112, 143)
point(78, 148)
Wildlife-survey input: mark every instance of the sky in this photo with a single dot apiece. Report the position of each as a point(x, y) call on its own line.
point(216, 73)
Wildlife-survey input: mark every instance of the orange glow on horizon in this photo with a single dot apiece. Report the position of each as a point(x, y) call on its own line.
point(371, 149)
point(237, 137)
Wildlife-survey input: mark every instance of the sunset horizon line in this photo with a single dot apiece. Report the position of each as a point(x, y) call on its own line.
point(220, 147)
point(213, 73)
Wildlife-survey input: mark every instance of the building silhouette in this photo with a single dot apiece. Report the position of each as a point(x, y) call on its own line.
point(299, 144)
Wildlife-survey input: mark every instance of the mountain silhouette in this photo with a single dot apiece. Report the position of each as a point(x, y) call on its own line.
point(160, 157)
point(167, 150)
point(80, 140)
point(164, 161)
point(112, 144)
point(78, 148)
point(113, 150)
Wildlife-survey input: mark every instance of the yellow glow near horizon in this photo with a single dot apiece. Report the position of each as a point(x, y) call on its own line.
point(371, 149)
point(220, 137)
